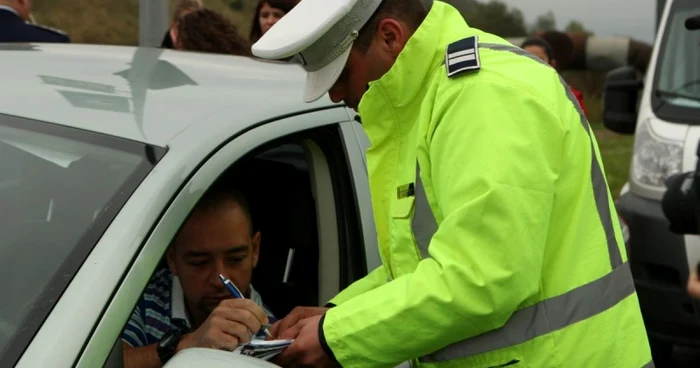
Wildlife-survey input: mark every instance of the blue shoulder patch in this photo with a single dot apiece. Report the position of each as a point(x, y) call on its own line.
point(462, 56)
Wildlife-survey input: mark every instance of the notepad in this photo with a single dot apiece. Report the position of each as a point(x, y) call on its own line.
point(262, 349)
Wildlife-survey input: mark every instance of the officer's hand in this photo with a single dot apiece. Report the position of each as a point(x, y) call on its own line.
point(306, 350)
point(694, 284)
point(231, 323)
point(298, 314)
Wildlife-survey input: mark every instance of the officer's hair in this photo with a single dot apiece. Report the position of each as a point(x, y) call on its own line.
point(538, 42)
point(412, 12)
point(220, 195)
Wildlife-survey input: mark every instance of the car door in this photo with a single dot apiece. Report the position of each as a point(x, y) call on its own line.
point(104, 346)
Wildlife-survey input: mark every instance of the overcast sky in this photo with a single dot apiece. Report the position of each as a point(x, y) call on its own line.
point(632, 18)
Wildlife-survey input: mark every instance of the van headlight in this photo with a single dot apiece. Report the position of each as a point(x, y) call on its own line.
point(654, 158)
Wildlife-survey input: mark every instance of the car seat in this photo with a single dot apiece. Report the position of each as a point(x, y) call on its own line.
point(283, 210)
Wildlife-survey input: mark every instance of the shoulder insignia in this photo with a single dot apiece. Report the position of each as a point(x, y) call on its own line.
point(462, 56)
point(50, 29)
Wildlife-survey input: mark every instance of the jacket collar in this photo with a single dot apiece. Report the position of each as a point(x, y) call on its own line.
point(407, 77)
point(9, 9)
point(397, 96)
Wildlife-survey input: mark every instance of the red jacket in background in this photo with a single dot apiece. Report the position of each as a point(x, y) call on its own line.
point(579, 97)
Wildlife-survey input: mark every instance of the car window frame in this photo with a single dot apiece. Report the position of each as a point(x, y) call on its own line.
point(356, 144)
point(99, 345)
point(660, 106)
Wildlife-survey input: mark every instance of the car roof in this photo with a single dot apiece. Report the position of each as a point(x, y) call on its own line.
point(142, 93)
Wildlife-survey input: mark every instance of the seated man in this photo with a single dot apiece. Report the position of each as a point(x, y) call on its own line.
point(186, 304)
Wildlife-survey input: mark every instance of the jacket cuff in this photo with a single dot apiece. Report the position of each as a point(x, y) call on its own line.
point(322, 340)
point(329, 305)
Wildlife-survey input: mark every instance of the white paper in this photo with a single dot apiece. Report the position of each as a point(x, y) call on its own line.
point(263, 349)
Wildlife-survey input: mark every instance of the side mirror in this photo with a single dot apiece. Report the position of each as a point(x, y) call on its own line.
point(212, 358)
point(693, 23)
point(620, 100)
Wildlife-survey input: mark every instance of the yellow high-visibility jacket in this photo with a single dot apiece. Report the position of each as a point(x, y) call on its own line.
point(498, 236)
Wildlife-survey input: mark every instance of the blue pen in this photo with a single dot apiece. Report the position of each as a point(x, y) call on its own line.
point(238, 295)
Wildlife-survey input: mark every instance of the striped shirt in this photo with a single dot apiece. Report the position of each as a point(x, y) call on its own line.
point(161, 308)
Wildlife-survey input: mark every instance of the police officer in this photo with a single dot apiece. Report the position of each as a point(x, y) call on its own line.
point(15, 25)
point(493, 215)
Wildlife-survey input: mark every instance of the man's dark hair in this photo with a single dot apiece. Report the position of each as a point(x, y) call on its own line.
point(538, 42)
point(205, 30)
point(412, 12)
point(221, 194)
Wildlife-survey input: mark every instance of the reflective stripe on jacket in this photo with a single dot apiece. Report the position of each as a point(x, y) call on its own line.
point(500, 246)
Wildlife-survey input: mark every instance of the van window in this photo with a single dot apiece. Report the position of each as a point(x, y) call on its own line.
point(676, 96)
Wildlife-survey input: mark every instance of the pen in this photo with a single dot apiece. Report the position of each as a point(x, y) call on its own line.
point(238, 295)
point(288, 268)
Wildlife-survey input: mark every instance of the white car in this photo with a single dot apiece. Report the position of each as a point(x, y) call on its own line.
point(104, 150)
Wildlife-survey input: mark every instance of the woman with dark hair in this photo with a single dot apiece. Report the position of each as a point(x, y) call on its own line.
point(267, 13)
point(182, 8)
point(205, 30)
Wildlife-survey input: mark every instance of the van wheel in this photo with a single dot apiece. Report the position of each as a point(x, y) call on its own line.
point(661, 352)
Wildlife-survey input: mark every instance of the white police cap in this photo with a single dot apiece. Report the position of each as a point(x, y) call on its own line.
point(319, 34)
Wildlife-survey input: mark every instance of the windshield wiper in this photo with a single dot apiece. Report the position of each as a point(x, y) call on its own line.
point(672, 94)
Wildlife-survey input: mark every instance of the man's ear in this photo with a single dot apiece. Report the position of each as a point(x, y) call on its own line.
point(173, 35)
point(256, 248)
point(392, 36)
point(553, 63)
point(170, 258)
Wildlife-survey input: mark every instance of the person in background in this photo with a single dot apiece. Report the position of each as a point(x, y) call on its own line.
point(267, 13)
point(543, 50)
point(182, 8)
point(563, 51)
point(205, 30)
point(17, 25)
point(694, 283)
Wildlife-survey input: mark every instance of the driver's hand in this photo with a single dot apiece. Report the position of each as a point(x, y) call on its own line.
point(297, 314)
point(230, 324)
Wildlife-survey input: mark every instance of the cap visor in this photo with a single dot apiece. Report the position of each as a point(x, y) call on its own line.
point(318, 83)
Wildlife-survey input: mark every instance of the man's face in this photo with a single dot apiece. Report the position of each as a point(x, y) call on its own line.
point(212, 242)
point(363, 67)
point(539, 52)
point(353, 81)
point(268, 17)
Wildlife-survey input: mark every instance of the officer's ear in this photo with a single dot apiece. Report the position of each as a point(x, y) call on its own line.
point(392, 36)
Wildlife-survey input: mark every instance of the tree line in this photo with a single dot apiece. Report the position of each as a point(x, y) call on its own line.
point(498, 18)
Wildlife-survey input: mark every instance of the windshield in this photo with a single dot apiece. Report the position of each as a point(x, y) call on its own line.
point(676, 96)
point(59, 190)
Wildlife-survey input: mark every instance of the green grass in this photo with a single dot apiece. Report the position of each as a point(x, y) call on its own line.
point(616, 150)
point(116, 22)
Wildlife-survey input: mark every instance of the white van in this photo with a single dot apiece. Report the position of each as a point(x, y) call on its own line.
point(665, 118)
